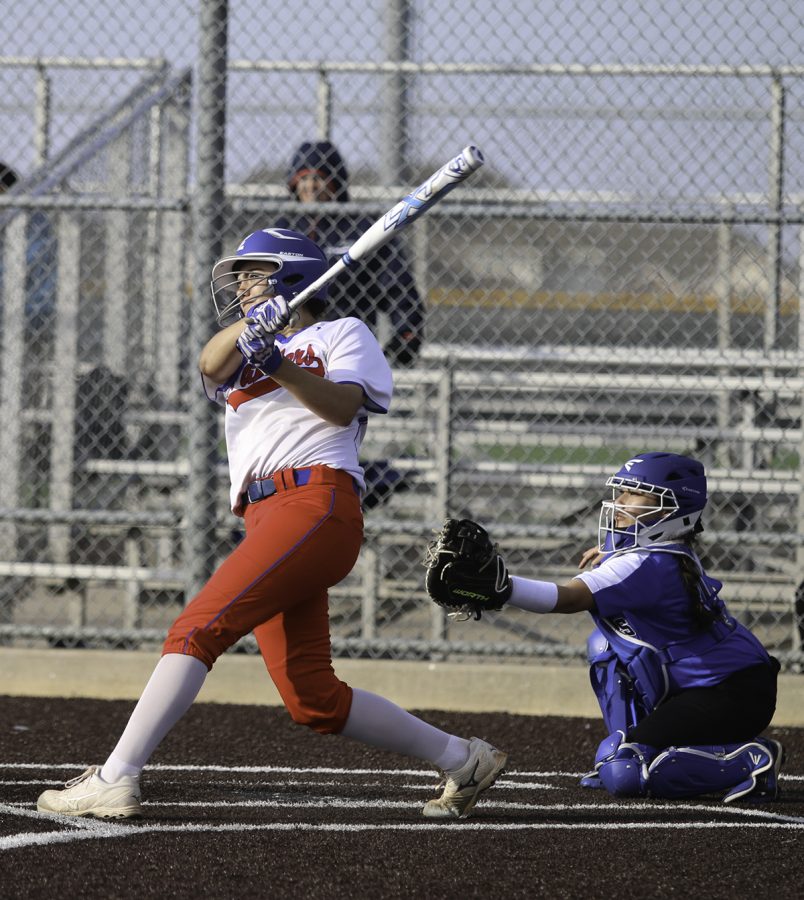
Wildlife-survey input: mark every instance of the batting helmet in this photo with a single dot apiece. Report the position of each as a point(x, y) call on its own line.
point(678, 486)
point(300, 262)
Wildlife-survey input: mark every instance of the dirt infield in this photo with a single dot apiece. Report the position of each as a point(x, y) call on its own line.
point(242, 803)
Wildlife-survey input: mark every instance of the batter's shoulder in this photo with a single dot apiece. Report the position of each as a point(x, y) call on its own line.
point(346, 325)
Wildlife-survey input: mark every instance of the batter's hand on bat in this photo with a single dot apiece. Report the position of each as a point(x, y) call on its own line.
point(270, 315)
point(258, 347)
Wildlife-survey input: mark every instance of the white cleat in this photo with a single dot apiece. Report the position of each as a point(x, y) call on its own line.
point(90, 795)
point(463, 787)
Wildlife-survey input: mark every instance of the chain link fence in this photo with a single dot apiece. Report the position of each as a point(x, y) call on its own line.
point(624, 274)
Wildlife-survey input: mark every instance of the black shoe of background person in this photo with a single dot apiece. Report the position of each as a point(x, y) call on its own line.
point(403, 349)
point(382, 480)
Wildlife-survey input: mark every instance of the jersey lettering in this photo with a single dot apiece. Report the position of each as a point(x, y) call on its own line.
point(620, 625)
point(255, 383)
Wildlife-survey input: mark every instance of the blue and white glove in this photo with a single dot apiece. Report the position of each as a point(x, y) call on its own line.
point(258, 347)
point(257, 342)
point(273, 315)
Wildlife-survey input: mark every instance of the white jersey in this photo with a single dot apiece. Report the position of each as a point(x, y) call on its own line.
point(268, 429)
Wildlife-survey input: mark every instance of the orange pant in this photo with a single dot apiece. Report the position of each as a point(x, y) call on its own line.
point(298, 543)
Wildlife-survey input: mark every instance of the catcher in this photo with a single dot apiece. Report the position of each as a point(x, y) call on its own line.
point(684, 688)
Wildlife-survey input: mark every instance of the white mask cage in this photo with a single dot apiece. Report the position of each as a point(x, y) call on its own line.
point(644, 525)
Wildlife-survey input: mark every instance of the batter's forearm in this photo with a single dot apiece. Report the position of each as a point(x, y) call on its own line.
point(220, 358)
point(334, 403)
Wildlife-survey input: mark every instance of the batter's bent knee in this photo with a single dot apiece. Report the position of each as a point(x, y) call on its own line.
point(205, 650)
point(324, 712)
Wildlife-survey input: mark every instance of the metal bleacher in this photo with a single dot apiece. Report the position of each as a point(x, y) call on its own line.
point(504, 447)
point(524, 448)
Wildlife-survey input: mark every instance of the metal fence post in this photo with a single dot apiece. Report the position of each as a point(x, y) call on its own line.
point(324, 106)
point(722, 452)
point(208, 226)
point(443, 454)
point(776, 203)
point(798, 625)
point(42, 116)
point(11, 399)
point(116, 268)
point(65, 372)
point(171, 293)
point(395, 106)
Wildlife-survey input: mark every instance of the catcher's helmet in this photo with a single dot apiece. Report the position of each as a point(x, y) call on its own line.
point(299, 259)
point(678, 485)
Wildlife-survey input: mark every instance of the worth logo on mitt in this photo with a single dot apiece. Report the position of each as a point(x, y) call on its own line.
point(465, 573)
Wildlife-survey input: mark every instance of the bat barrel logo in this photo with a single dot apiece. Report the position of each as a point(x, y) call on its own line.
point(436, 186)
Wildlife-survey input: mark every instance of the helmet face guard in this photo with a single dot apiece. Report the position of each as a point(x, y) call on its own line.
point(677, 485)
point(299, 263)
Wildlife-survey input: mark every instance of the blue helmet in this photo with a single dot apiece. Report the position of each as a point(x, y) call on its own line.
point(300, 262)
point(676, 484)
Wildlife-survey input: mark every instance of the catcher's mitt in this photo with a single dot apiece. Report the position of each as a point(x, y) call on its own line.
point(465, 573)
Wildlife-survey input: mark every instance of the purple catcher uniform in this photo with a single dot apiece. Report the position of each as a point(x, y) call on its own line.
point(683, 687)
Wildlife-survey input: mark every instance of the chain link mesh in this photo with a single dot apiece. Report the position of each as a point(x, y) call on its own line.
point(624, 274)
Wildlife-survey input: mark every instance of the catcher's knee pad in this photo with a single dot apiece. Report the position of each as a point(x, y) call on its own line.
point(623, 767)
point(741, 769)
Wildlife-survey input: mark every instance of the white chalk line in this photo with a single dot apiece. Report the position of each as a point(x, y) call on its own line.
point(621, 807)
point(279, 770)
point(429, 785)
point(84, 829)
point(106, 831)
point(314, 770)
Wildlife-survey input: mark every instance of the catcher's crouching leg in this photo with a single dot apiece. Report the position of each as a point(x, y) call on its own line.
point(623, 767)
point(747, 771)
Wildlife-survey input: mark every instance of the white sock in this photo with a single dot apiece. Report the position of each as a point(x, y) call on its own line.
point(380, 723)
point(170, 692)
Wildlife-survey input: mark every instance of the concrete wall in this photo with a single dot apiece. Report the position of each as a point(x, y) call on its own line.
point(521, 689)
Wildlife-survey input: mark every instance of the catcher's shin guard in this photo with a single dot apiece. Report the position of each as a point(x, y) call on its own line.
point(623, 767)
point(746, 771)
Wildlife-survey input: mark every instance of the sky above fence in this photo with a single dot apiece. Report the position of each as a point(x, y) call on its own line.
point(613, 31)
point(559, 120)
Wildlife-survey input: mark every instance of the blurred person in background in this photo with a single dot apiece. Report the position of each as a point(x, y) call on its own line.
point(381, 284)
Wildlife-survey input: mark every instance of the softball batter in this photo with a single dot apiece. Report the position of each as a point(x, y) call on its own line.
point(298, 393)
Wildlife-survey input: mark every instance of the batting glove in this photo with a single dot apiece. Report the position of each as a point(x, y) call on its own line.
point(271, 315)
point(258, 347)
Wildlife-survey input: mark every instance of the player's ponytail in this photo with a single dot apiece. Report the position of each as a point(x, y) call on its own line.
point(702, 614)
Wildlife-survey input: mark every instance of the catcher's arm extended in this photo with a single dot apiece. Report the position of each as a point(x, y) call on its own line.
point(546, 596)
point(467, 576)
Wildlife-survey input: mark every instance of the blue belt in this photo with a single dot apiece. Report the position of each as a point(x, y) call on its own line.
point(266, 487)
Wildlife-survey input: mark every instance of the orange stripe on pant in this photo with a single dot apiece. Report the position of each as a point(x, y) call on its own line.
point(298, 543)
